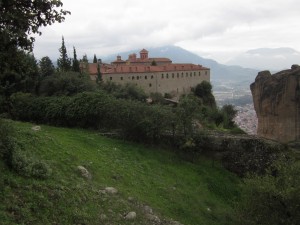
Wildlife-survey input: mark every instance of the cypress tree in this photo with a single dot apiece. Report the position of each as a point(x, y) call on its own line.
point(64, 63)
point(75, 65)
point(95, 59)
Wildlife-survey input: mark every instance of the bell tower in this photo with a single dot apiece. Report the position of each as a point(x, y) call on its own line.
point(143, 54)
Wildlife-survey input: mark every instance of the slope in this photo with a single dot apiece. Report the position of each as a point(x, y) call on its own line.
point(201, 193)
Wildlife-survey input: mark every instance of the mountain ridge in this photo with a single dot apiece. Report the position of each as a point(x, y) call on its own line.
point(274, 59)
point(219, 72)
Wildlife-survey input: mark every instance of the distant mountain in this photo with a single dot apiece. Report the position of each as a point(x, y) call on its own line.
point(219, 72)
point(267, 58)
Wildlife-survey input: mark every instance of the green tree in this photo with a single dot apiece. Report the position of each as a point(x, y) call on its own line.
point(19, 19)
point(95, 60)
point(153, 63)
point(64, 63)
point(204, 92)
point(46, 67)
point(22, 75)
point(85, 59)
point(186, 111)
point(229, 113)
point(75, 64)
point(66, 83)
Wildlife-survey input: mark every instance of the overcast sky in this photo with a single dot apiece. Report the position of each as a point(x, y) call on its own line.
point(217, 29)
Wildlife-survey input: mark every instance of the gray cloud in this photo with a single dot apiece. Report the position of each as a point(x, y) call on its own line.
point(215, 27)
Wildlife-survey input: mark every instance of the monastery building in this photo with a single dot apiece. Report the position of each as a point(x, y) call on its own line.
point(151, 74)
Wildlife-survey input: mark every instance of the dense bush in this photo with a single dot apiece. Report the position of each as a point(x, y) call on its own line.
point(98, 110)
point(272, 199)
point(251, 155)
point(65, 84)
point(16, 158)
point(128, 91)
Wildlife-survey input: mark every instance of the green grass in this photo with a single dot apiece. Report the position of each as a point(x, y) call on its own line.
point(192, 193)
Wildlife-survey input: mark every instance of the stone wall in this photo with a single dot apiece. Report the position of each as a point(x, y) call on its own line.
point(174, 82)
point(276, 101)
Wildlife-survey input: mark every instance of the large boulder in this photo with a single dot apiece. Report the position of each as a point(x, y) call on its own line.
point(276, 101)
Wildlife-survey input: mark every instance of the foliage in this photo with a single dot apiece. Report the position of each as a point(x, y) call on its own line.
point(97, 110)
point(20, 75)
point(66, 83)
point(251, 155)
point(19, 19)
point(153, 63)
point(127, 91)
point(95, 60)
point(272, 199)
point(186, 112)
point(157, 98)
point(46, 67)
point(29, 167)
point(75, 62)
point(63, 63)
point(85, 59)
point(14, 156)
point(204, 92)
point(229, 113)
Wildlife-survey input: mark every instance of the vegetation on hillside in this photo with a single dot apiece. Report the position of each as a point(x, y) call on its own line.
point(201, 193)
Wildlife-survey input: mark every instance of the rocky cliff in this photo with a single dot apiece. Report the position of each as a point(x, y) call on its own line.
point(277, 104)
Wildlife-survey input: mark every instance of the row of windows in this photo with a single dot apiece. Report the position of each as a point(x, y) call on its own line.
point(163, 75)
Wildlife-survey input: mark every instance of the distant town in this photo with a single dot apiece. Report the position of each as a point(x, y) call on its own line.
point(240, 96)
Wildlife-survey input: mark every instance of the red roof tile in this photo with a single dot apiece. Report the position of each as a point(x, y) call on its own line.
point(110, 69)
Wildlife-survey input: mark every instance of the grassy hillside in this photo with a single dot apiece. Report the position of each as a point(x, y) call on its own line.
point(201, 193)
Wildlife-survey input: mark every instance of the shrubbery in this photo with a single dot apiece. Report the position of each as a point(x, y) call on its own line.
point(16, 158)
point(272, 199)
point(65, 84)
point(98, 110)
point(28, 166)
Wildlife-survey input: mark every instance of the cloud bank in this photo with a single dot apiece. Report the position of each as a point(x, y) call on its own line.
point(217, 29)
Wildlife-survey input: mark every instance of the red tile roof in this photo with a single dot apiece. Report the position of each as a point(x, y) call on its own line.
point(143, 51)
point(110, 69)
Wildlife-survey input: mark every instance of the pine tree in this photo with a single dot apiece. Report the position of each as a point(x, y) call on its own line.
point(46, 67)
point(85, 58)
point(95, 59)
point(75, 65)
point(64, 63)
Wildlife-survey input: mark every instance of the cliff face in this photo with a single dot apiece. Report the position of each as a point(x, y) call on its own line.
point(277, 104)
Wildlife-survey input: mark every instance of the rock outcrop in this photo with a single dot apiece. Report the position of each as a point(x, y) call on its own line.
point(276, 101)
